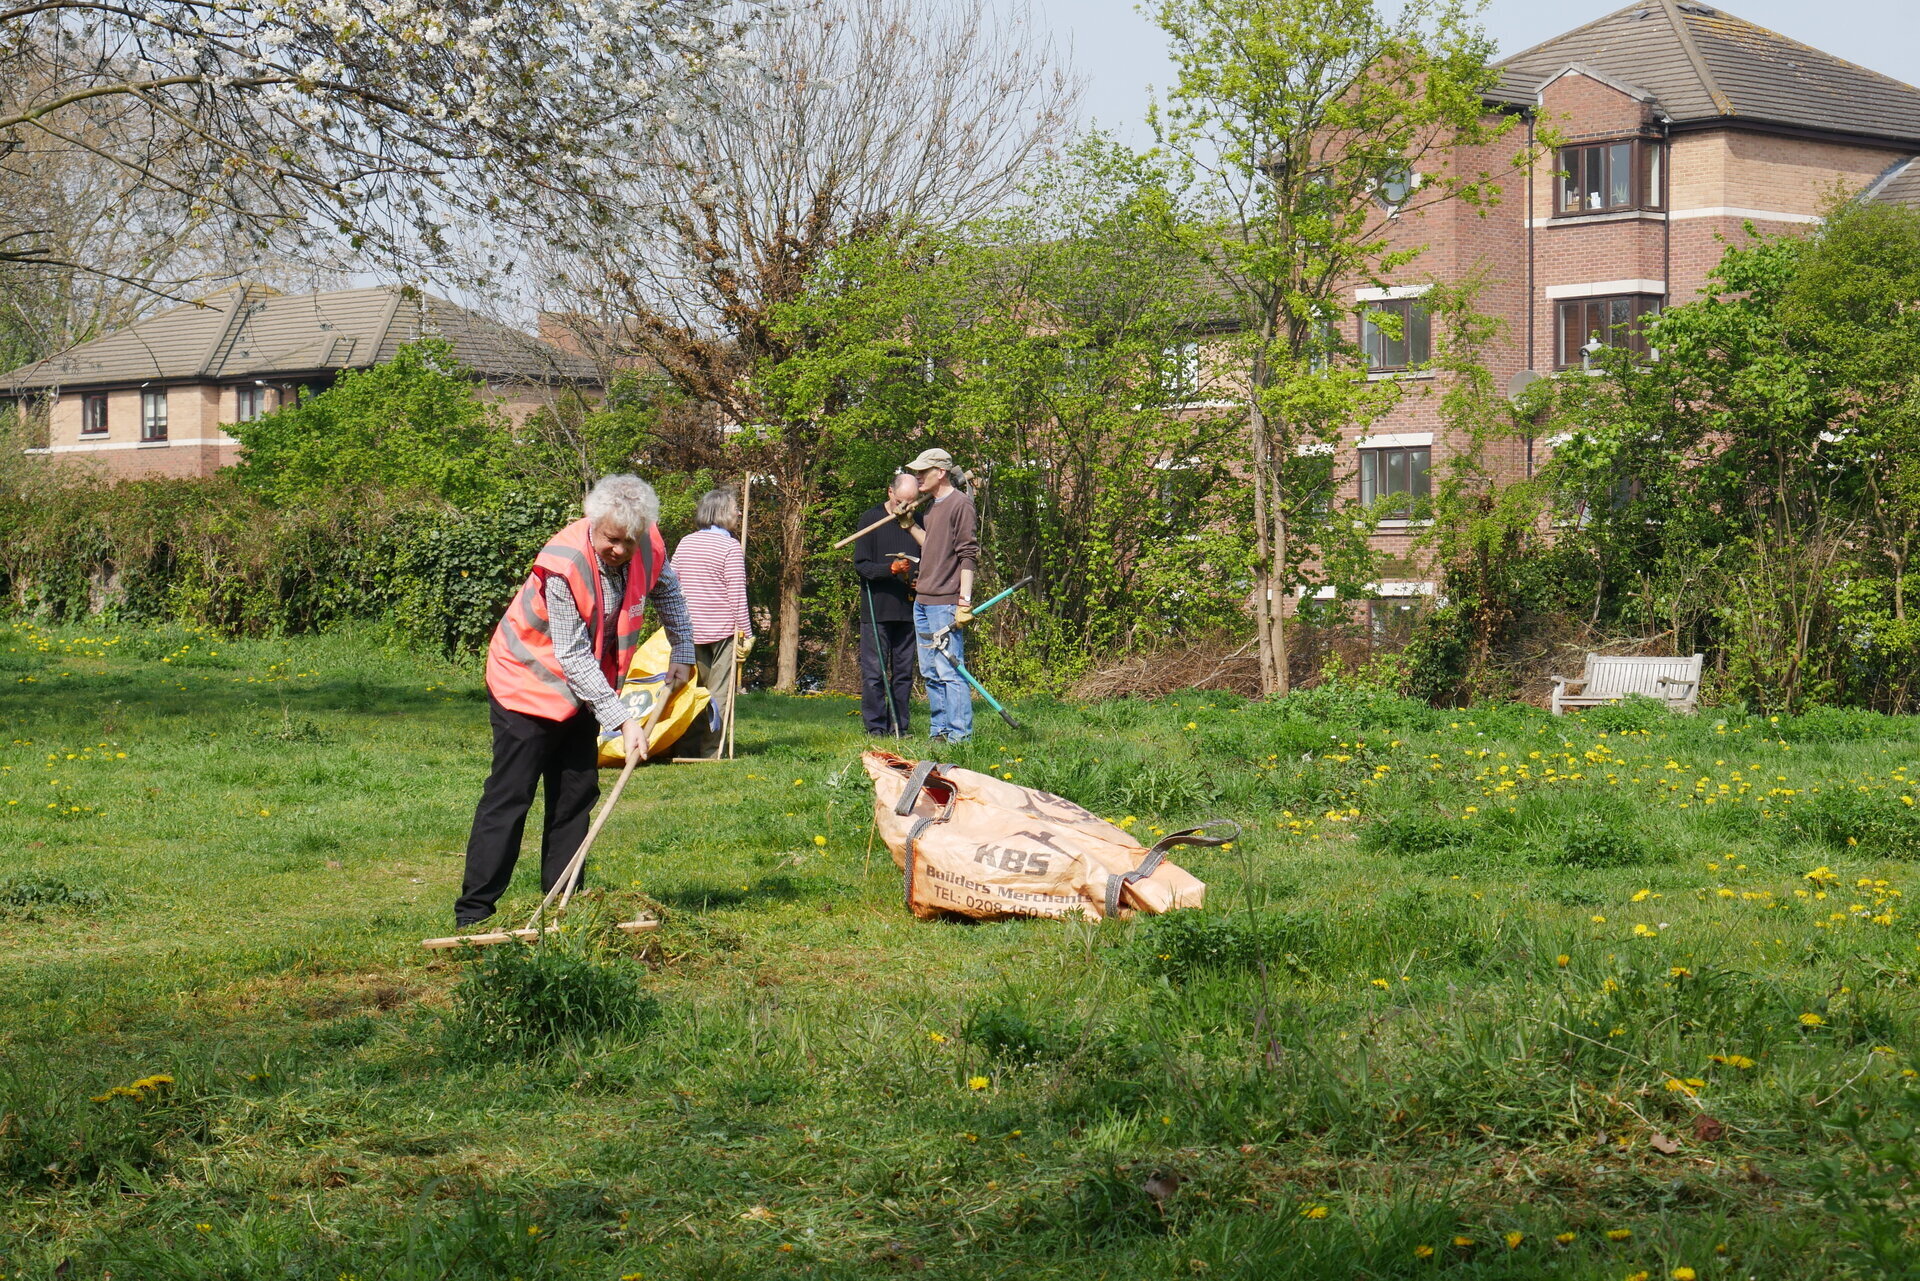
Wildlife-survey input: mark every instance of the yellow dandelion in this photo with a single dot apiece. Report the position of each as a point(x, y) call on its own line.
point(1464, 1243)
point(1514, 1239)
point(978, 1083)
point(1381, 983)
point(1563, 960)
point(1619, 1234)
point(1684, 1274)
point(1810, 1019)
point(819, 840)
point(938, 1038)
point(1314, 1212)
point(1423, 1252)
point(1565, 1238)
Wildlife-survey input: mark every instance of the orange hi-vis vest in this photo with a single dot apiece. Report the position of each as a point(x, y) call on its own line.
point(523, 671)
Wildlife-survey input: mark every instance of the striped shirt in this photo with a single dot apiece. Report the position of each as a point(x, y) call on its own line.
point(713, 572)
point(586, 679)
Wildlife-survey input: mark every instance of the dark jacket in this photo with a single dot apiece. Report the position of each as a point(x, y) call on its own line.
point(873, 555)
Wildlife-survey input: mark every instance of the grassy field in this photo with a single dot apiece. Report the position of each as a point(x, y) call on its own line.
point(1477, 994)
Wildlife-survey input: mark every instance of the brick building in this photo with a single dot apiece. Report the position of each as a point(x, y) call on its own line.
point(155, 398)
point(1679, 125)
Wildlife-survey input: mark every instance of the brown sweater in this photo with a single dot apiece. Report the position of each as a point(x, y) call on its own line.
point(952, 545)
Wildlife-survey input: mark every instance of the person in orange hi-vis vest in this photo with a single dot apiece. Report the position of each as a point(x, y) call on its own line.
point(553, 668)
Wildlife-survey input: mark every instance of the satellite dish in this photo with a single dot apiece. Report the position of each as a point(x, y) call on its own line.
point(1518, 384)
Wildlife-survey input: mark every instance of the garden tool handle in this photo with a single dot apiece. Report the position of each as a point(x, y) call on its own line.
point(563, 888)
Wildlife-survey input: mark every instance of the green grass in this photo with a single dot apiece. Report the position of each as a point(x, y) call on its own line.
point(1465, 975)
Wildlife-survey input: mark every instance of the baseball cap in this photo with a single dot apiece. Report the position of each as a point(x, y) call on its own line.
point(931, 458)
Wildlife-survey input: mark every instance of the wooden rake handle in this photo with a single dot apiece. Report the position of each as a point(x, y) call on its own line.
point(884, 520)
point(564, 887)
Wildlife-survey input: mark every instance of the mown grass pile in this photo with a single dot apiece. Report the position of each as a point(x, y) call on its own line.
point(1477, 994)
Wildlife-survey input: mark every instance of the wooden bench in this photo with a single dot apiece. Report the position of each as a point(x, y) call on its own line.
point(1610, 678)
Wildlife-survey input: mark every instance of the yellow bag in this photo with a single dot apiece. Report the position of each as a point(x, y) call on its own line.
point(645, 679)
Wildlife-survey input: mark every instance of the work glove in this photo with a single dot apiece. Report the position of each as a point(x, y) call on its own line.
point(902, 567)
point(746, 648)
point(963, 615)
point(904, 517)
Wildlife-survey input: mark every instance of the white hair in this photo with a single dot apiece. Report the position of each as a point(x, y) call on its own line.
point(626, 502)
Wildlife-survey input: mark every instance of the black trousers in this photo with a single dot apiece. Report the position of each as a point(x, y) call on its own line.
point(528, 750)
point(896, 643)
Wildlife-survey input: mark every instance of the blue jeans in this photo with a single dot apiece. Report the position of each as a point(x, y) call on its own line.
point(948, 694)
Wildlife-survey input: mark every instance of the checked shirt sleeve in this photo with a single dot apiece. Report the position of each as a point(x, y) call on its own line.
point(671, 603)
point(577, 663)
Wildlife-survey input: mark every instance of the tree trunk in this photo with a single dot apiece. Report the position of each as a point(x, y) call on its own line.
point(1268, 575)
point(791, 578)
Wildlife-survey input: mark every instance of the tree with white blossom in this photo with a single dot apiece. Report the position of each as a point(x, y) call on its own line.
point(394, 128)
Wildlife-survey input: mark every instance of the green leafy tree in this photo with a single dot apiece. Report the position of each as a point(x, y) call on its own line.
point(1061, 351)
point(415, 425)
point(1302, 127)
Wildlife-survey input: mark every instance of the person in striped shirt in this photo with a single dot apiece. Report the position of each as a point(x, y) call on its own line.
point(712, 568)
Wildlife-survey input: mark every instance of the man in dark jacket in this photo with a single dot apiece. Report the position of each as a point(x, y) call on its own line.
point(886, 558)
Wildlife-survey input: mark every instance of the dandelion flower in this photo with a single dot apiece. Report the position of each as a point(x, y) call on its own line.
point(1314, 1212)
point(1565, 1238)
point(1598, 920)
point(1619, 1234)
point(977, 1083)
point(1563, 960)
point(1514, 1239)
point(819, 840)
point(1465, 1243)
point(938, 1038)
point(1731, 1060)
point(1423, 1252)
point(1684, 1274)
point(1380, 983)
point(1811, 1019)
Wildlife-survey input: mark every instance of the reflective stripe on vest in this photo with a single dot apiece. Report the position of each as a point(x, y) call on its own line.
point(523, 672)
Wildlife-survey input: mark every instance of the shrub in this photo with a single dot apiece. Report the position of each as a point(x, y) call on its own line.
point(1601, 840)
point(29, 896)
point(1010, 1033)
point(1410, 834)
point(525, 1002)
point(1877, 823)
point(1836, 725)
point(1635, 711)
point(1185, 943)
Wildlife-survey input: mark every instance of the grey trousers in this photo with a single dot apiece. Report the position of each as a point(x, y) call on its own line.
point(714, 665)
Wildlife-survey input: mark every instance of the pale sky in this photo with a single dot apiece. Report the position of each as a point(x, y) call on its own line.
point(1119, 53)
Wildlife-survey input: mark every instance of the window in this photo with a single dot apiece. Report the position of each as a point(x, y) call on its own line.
point(1613, 322)
point(1390, 622)
point(1400, 344)
point(1395, 185)
point(1385, 473)
point(1610, 176)
point(93, 414)
point(1180, 373)
point(153, 415)
point(249, 403)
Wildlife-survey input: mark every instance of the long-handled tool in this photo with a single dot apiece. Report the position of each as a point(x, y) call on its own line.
point(570, 877)
point(738, 656)
point(940, 643)
point(886, 661)
point(859, 533)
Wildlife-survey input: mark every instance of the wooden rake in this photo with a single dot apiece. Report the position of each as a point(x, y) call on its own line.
point(569, 881)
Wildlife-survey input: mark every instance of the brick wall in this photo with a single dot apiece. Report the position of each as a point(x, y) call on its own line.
point(1714, 179)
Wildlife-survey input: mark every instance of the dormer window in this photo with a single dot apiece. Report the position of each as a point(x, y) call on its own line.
point(1610, 177)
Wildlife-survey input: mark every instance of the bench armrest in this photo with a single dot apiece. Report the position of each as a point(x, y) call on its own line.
point(1569, 684)
point(1676, 680)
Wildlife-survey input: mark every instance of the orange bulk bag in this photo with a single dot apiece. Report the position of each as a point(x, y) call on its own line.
point(977, 846)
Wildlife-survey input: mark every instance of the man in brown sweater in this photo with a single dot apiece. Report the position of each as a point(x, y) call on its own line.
point(949, 551)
